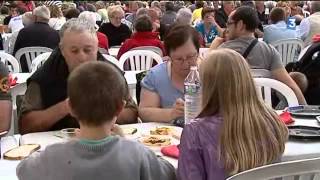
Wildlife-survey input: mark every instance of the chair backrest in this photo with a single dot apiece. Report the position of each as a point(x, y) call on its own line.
point(151, 48)
point(304, 50)
point(289, 49)
point(306, 13)
point(6, 41)
point(264, 86)
point(261, 73)
point(39, 61)
point(306, 169)
point(31, 53)
point(139, 59)
point(10, 61)
point(113, 60)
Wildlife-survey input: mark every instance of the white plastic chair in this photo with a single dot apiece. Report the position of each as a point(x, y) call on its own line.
point(288, 49)
point(39, 61)
point(264, 86)
point(151, 48)
point(31, 53)
point(261, 73)
point(304, 50)
point(140, 59)
point(306, 13)
point(113, 60)
point(306, 169)
point(9, 60)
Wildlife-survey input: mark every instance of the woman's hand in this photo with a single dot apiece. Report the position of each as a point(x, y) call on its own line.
point(177, 109)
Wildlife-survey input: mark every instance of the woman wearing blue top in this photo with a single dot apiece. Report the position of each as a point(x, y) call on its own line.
point(161, 97)
point(208, 28)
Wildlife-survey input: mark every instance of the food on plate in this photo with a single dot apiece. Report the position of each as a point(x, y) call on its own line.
point(129, 130)
point(156, 141)
point(161, 131)
point(21, 152)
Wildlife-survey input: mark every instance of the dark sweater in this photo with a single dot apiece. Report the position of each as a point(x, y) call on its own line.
point(116, 35)
point(36, 34)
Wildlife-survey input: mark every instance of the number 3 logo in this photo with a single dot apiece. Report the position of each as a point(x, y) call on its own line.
point(291, 24)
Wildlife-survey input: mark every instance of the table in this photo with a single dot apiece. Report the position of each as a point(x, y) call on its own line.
point(113, 51)
point(47, 138)
point(294, 150)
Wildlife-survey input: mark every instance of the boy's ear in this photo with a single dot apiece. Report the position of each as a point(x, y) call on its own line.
point(70, 108)
point(121, 107)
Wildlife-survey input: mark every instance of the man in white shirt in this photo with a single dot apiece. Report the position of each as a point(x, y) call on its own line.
point(15, 23)
point(311, 25)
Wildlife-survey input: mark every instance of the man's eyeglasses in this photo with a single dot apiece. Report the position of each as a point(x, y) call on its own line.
point(190, 58)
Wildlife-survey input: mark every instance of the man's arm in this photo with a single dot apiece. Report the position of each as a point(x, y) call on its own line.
point(282, 75)
point(33, 117)
point(5, 115)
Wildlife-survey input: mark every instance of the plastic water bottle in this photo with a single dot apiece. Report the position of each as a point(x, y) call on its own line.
point(192, 95)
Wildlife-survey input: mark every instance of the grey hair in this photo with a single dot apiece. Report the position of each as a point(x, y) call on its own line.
point(27, 18)
point(42, 12)
point(315, 6)
point(184, 16)
point(77, 25)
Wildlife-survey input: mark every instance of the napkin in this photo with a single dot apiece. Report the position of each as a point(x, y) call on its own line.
point(171, 151)
point(12, 81)
point(286, 117)
point(316, 38)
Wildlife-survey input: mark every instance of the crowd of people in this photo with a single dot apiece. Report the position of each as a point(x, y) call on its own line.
point(77, 87)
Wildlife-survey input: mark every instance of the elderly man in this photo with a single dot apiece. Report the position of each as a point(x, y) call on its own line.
point(310, 26)
point(241, 26)
point(44, 107)
point(5, 100)
point(37, 34)
point(222, 14)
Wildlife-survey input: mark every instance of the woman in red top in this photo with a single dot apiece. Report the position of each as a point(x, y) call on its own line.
point(143, 36)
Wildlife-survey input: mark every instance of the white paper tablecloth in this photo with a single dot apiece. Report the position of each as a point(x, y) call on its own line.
point(295, 150)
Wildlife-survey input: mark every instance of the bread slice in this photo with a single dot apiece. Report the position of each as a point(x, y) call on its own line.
point(21, 152)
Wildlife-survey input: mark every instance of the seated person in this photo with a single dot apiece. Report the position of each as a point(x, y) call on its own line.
point(5, 99)
point(44, 105)
point(116, 31)
point(96, 154)
point(102, 38)
point(208, 28)
point(163, 86)
point(241, 26)
point(232, 131)
point(143, 36)
point(278, 29)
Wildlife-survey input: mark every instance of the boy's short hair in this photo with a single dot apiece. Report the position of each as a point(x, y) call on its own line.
point(97, 91)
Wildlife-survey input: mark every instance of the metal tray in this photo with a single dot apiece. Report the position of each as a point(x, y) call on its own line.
point(304, 132)
point(305, 110)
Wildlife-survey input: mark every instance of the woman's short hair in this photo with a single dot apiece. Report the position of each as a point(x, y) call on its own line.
point(4, 10)
point(72, 13)
point(184, 16)
point(277, 14)
point(114, 9)
point(55, 11)
point(96, 78)
point(178, 35)
point(143, 24)
point(206, 10)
